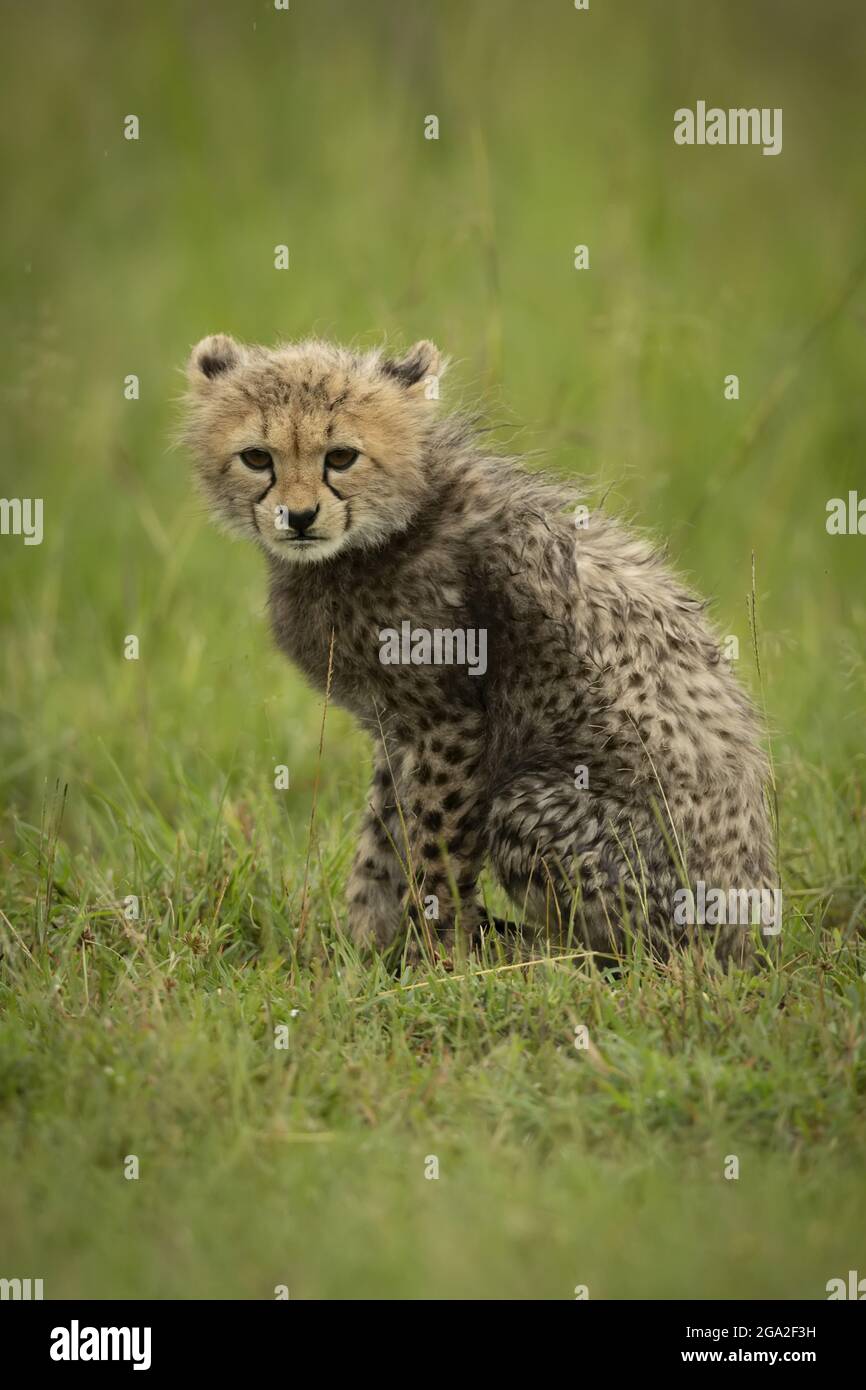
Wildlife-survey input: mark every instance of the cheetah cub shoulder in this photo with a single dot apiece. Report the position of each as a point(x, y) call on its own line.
point(542, 697)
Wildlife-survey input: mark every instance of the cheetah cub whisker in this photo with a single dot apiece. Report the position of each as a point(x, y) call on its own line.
point(604, 761)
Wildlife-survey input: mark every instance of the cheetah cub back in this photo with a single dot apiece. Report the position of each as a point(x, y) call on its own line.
point(542, 696)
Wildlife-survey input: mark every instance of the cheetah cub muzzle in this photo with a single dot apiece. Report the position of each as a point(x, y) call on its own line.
point(601, 757)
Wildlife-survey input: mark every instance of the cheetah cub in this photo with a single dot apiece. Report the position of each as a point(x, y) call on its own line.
point(541, 695)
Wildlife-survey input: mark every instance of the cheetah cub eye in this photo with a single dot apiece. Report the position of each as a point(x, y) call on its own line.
point(340, 459)
point(256, 458)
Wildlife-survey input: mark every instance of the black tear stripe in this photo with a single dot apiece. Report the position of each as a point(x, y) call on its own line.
point(270, 485)
point(348, 517)
point(339, 496)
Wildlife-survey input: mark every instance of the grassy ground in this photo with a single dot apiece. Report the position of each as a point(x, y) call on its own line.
point(305, 1166)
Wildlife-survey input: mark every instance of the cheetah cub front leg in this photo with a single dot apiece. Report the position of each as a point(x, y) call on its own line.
point(377, 881)
point(422, 844)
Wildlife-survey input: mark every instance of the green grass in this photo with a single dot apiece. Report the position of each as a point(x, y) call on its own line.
point(154, 778)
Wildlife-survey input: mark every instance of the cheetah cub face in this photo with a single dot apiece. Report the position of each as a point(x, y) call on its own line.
point(310, 449)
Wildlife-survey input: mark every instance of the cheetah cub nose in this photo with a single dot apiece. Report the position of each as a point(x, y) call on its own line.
point(302, 521)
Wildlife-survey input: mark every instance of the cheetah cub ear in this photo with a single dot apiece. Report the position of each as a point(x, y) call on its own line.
point(418, 369)
point(214, 356)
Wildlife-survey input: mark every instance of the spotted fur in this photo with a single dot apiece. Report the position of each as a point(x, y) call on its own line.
point(597, 657)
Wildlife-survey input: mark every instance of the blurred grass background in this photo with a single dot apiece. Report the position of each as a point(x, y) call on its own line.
point(306, 127)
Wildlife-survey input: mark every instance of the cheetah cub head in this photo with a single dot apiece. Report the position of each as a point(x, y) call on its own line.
point(310, 449)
